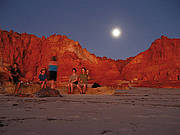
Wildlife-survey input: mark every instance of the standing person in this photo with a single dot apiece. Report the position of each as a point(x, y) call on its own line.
point(53, 71)
point(73, 81)
point(83, 81)
point(15, 76)
point(43, 78)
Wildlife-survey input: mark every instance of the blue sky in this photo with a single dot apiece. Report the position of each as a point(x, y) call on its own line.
point(90, 22)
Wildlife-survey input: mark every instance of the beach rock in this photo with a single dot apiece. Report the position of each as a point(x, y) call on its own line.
point(3, 77)
point(48, 92)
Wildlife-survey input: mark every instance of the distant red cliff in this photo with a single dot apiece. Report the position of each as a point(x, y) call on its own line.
point(160, 62)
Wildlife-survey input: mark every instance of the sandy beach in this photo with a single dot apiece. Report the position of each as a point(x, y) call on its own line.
point(137, 111)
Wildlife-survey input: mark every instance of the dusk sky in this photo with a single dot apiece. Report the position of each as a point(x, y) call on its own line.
point(91, 21)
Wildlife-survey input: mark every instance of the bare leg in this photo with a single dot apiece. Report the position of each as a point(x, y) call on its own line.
point(43, 84)
point(17, 88)
point(80, 89)
point(84, 89)
point(52, 84)
point(71, 88)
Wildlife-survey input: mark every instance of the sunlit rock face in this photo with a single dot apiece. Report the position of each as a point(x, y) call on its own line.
point(33, 53)
point(160, 62)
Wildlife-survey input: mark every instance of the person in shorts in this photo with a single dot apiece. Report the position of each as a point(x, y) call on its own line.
point(52, 71)
point(83, 81)
point(73, 81)
point(43, 78)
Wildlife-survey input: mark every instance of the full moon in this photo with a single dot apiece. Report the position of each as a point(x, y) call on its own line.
point(116, 32)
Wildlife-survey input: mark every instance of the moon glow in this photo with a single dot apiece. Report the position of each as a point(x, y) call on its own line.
point(116, 32)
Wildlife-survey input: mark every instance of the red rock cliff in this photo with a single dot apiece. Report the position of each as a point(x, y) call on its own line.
point(33, 53)
point(160, 62)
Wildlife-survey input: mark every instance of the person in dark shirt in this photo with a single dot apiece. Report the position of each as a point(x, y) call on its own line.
point(43, 78)
point(15, 75)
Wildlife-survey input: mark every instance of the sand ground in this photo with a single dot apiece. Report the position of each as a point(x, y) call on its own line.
point(137, 111)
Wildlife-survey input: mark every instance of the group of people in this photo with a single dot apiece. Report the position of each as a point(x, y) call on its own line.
point(80, 81)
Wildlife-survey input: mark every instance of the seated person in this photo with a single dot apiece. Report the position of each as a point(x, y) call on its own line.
point(73, 81)
point(43, 78)
point(15, 76)
point(83, 81)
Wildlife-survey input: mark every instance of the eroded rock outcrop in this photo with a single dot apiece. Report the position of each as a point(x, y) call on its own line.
point(33, 53)
point(160, 62)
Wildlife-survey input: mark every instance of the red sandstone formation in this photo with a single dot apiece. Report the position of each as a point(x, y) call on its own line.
point(160, 62)
point(33, 53)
